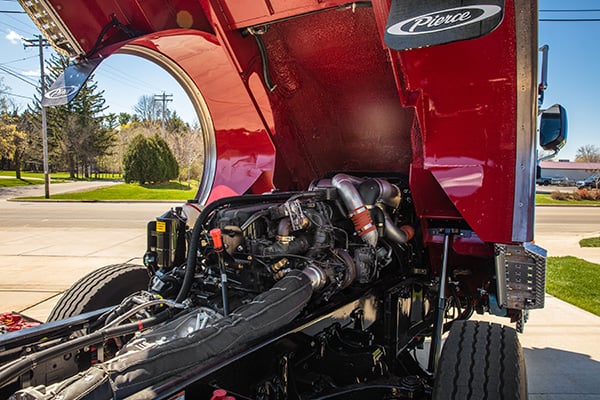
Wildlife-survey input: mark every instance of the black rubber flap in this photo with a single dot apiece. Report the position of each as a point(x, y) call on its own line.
point(69, 83)
point(421, 23)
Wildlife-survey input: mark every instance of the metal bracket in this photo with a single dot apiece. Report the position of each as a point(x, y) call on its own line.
point(520, 276)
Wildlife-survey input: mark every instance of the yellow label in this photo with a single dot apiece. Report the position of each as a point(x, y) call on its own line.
point(161, 226)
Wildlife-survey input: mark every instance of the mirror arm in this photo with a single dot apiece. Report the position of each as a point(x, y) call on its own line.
point(547, 156)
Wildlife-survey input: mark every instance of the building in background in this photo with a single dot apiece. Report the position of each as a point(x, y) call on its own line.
point(564, 170)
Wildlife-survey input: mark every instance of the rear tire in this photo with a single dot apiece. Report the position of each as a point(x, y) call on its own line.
point(481, 360)
point(101, 288)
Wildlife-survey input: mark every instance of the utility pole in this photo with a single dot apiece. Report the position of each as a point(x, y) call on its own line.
point(164, 98)
point(40, 43)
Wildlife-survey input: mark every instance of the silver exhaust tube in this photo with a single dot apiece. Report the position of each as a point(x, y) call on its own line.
point(357, 210)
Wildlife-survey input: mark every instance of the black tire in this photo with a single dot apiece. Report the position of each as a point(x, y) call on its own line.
point(101, 288)
point(481, 360)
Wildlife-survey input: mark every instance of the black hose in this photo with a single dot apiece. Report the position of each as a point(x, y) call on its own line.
point(190, 267)
point(386, 389)
point(19, 367)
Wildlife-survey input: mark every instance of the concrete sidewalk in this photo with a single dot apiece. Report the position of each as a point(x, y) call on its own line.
point(55, 188)
point(559, 246)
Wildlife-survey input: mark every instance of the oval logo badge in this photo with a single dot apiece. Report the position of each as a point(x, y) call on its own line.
point(443, 20)
point(61, 92)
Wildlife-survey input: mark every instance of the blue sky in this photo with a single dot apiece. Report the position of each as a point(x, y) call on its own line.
point(574, 69)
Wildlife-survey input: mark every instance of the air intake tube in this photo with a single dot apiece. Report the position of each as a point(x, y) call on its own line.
point(360, 194)
point(357, 209)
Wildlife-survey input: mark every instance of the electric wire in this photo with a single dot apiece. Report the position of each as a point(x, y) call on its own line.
point(574, 10)
point(569, 20)
point(16, 75)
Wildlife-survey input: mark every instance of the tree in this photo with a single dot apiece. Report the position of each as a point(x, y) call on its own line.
point(13, 140)
point(147, 110)
point(5, 102)
point(10, 137)
point(588, 153)
point(77, 132)
point(187, 146)
point(149, 160)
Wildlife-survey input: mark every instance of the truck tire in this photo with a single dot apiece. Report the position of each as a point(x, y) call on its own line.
point(101, 288)
point(481, 360)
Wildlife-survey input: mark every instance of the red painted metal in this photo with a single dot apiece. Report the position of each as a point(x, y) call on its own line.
point(445, 115)
point(11, 322)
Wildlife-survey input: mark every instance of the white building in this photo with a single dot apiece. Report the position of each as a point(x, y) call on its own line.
point(574, 171)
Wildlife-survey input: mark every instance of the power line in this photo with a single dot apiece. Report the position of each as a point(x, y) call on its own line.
point(128, 79)
point(22, 30)
point(20, 59)
point(569, 20)
point(18, 95)
point(11, 12)
point(571, 10)
point(16, 75)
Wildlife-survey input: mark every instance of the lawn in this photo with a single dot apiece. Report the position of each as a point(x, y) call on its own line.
point(575, 281)
point(131, 191)
point(6, 182)
point(543, 198)
point(590, 242)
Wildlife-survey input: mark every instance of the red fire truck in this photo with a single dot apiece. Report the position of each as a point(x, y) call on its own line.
point(368, 186)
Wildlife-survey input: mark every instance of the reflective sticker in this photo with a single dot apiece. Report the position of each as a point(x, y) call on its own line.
point(161, 226)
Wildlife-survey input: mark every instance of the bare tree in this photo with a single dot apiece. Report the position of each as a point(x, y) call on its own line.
point(187, 146)
point(147, 109)
point(588, 153)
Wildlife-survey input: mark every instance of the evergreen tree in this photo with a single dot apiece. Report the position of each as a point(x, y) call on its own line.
point(77, 134)
point(149, 160)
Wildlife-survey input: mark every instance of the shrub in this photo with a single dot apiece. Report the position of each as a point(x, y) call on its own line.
point(149, 160)
point(587, 194)
point(558, 195)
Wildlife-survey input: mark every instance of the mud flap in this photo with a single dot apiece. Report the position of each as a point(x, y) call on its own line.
point(69, 83)
point(421, 23)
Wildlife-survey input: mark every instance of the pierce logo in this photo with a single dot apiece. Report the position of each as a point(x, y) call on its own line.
point(61, 92)
point(443, 20)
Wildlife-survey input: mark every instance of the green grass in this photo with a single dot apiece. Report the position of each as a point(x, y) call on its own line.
point(6, 182)
point(590, 242)
point(575, 281)
point(131, 191)
point(543, 198)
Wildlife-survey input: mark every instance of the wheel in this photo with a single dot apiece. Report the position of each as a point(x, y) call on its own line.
point(101, 288)
point(481, 360)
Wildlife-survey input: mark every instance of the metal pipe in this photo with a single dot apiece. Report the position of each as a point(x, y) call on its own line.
point(436, 338)
point(357, 209)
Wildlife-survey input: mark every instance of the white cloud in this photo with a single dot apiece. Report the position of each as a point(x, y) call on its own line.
point(31, 73)
point(14, 37)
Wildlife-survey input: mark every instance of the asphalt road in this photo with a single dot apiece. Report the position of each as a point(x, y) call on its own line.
point(559, 230)
point(566, 220)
